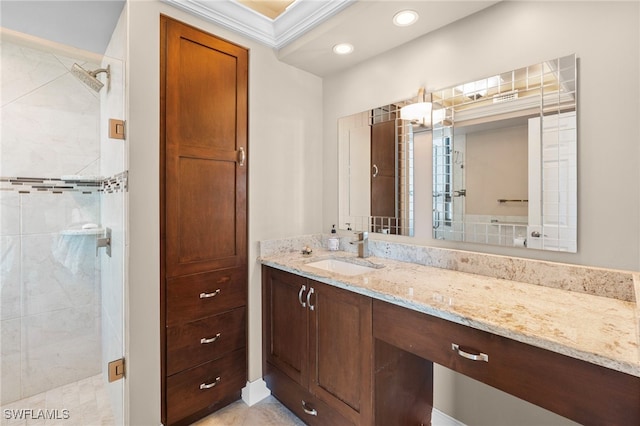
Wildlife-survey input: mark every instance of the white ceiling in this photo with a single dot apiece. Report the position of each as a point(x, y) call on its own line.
point(306, 32)
point(302, 36)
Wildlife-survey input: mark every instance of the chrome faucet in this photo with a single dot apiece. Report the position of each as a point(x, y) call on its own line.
point(363, 244)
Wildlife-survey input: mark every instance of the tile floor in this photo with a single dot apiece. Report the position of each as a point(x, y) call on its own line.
point(86, 402)
point(268, 412)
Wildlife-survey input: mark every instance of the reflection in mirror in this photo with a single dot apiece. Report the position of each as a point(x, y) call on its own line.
point(375, 154)
point(504, 158)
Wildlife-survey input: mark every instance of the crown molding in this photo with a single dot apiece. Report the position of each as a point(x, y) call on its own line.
point(300, 17)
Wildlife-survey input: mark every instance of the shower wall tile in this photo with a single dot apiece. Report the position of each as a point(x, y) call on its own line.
point(10, 335)
point(10, 381)
point(10, 288)
point(25, 69)
point(47, 212)
point(58, 272)
point(70, 338)
point(53, 130)
point(9, 213)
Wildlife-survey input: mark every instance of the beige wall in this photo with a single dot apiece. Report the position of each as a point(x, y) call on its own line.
point(604, 35)
point(495, 167)
point(285, 180)
point(606, 38)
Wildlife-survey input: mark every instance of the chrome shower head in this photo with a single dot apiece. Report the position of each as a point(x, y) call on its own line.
point(90, 77)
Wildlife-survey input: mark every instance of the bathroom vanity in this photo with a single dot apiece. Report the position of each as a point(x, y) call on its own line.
point(359, 349)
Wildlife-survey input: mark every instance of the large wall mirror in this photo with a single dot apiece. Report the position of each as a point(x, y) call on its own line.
point(505, 158)
point(504, 162)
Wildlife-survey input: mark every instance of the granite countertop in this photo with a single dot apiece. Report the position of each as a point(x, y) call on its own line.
point(596, 329)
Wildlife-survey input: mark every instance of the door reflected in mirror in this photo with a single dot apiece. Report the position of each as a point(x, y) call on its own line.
point(505, 158)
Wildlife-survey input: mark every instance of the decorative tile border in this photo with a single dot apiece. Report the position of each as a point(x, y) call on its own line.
point(27, 185)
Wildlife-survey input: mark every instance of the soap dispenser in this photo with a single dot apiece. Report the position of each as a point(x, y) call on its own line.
point(333, 242)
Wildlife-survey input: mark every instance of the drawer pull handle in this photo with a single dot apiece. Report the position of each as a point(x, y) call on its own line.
point(309, 299)
point(208, 295)
point(210, 385)
point(311, 412)
point(300, 293)
point(204, 340)
point(474, 357)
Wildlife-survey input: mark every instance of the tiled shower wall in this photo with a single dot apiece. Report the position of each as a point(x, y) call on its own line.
point(51, 293)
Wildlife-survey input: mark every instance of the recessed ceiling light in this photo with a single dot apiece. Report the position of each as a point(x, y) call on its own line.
point(405, 18)
point(343, 48)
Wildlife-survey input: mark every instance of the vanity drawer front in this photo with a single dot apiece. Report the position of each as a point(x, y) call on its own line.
point(292, 395)
point(432, 338)
point(579, 390)
point(206, 386)
point(193, 297)
point(200, 341)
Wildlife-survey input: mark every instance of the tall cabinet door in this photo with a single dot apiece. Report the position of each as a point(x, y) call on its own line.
point(204, 222)
point(206, 149)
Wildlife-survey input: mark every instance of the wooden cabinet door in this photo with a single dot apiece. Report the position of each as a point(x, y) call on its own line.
point(205, 151)
point(285, 324)
point(341, 352)
point(383, 163)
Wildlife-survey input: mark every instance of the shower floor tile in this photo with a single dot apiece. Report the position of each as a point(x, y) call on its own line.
point(82, 403)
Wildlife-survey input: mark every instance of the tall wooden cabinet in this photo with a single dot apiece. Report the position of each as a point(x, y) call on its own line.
point(203, 221)
point(317, 349)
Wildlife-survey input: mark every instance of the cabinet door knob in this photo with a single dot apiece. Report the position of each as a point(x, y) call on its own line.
point(473, 357)
point(210, 385)
point(208, 295)
point(311, 412)
point(309, 299)
point(204, 340)
point(300, 293)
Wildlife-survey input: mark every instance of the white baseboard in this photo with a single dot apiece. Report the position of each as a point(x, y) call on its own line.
point(255, 392)
point(438, 418)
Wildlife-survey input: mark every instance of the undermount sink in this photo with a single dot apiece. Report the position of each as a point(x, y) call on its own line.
point(343, 267)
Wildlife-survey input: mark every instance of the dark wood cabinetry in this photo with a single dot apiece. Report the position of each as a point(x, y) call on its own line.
point(317, 349)
point(203, 221)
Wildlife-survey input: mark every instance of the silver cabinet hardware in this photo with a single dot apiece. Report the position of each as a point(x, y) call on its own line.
point(474, 357)
point(375, 171)
point(300, 293)
point(311, 412)
point(309, 299)
point(242, 156)
point(208, 295)
point(210, 385)
point(205, 341)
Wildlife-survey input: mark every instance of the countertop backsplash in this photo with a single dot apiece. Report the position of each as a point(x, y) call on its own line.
point(602, 282)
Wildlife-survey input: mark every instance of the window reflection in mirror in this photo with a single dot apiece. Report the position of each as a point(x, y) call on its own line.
point(504, 158)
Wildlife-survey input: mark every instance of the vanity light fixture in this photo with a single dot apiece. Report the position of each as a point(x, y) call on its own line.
point(343, 48)
point(404, 18)
point(418, 112)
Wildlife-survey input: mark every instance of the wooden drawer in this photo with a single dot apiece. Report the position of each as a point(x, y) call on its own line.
point(204, 340)
point(187, 392)
point(194, 297)
point(292, 396)
point(579, 390)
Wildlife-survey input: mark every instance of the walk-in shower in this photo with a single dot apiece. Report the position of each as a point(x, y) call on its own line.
point(63, 183)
